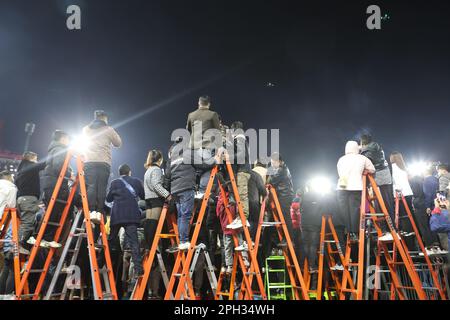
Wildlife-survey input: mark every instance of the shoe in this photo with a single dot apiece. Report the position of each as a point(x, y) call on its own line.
point(246, 263)
point(386, 237)
point(223, 270)
point(199, 195)
point(337, 267)
point(172, 249)
point(24, 251)
point(263, 270)
point(242, 247)
point(31, 241)
point(50, 244)
point(184, 246)
point(441, 251)
point(229, 270)
point(406, 234)
point(95, 217)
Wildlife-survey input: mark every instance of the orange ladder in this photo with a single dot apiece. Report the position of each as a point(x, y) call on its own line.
point(80, 184)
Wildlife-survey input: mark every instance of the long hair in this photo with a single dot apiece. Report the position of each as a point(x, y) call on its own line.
point(397, 158)
point(153, 157)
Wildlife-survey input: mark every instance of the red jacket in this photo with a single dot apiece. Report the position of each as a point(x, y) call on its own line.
point(296, 216)
point(222, 214)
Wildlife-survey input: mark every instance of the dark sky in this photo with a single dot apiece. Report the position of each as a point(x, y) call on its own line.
point(333, 77)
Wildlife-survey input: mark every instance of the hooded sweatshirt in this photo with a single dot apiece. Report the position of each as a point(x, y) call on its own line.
point(8, 193)
point(351, 167)
point(101, 137)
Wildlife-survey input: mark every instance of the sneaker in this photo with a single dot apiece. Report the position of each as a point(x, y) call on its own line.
point(337, 267)
point(246, 263)
point(199, 195)
point(24, 251)
point(237, 224)
point(172, 249)
point(229, 270)
point(31, 241)
point(223, 270)
point(406, 234)
point(441, 251)
point(386, 237)
point(184, 246)
point(95, 217)
point(242, 247)
point(50, 244)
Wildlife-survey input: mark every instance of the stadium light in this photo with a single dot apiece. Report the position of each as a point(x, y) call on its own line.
point(80, 143)
point(320, 184)
point(418, 168)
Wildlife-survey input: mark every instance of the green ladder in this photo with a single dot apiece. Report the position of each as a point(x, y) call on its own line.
point(279, 269)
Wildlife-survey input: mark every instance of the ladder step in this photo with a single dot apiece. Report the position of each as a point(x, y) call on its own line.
point(83, 234)
point(107, 295)
point(167, 235)
point(36, 271)
point(270, 224)
point(374, 214)
point(223, 294)
point(55, 224)
point(330, 241)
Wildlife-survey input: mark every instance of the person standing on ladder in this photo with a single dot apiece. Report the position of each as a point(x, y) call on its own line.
point(279, 176)
point(28, 185)
point(124, 193)
point(350, 169)
point(198, 123)
point(97, 167)
point(57, 153)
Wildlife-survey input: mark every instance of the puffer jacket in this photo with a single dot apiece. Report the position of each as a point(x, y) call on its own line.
point(281, 179)
point(153, 186)
point(57, 153)
point(102, 137)
point(375, 153)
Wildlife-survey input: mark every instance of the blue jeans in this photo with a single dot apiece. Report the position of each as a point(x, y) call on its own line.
point(185, 205)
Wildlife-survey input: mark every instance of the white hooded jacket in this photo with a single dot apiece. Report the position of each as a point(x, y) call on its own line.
point(351, 167)
point(8, 193)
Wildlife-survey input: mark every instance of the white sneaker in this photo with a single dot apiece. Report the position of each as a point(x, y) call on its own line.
point(229, 270)
point(31, 241)
point(337, 267)
point(199, 195)
point(223, 270)
point(50, 244)
point(386, 237)
point(242, 247)
point(95, 217)
point(236, 224)
point(246, 263)
point(184, 246)
point(441, 251)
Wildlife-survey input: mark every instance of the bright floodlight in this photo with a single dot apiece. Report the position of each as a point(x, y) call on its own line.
point(418, 168)
point(80, 143)
point(320, 185)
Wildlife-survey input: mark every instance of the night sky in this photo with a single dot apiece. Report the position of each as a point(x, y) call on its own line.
point(148, 61)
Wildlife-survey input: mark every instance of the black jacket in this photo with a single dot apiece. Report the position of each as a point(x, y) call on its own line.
point(315, 205)
point(256, 188)
point(418, 194)
point(375, 153)
point(208, 120)
point(281, 180)
point(27, 180)
point(57, 153)
point(179, 174)
point(125, 209)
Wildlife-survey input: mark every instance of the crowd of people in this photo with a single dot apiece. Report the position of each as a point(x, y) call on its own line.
point(133, 206)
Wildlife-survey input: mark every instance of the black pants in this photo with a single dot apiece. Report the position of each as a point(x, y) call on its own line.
point(387, 193)
point(311, 241)
point(285, 204)
point(253, 217)
point(97, 176)
point(349, 203)
point(131, 236)
point(58, 209)
point(7, 275)
point(423, 224)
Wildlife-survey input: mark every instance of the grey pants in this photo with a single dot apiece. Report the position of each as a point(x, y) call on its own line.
point(228, 243)
point(28, 207)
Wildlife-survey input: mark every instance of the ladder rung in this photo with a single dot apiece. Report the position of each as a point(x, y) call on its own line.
point(55, 224)
point(374, 214)
point(107, 295)
point(330, 241)
point(270, 224)
point(36, 270)
point(167, 235)
point(83, 234)
point(223, 294)
point(250, 273)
